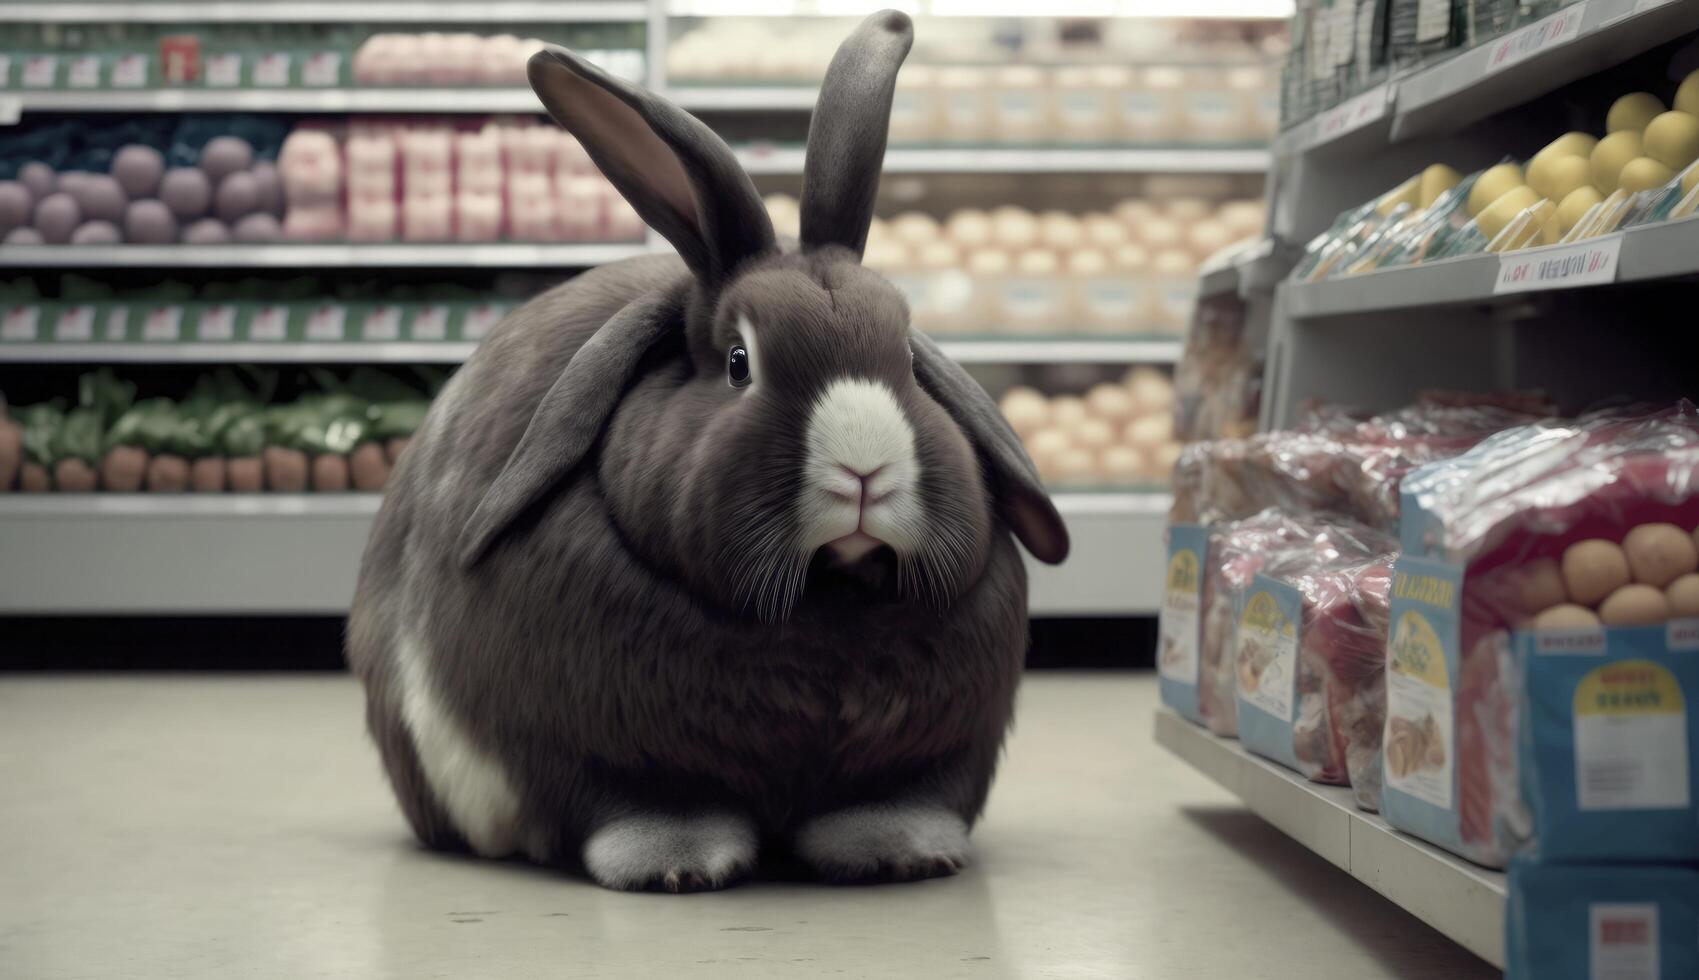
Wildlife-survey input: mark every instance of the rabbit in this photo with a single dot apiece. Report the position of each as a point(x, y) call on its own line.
point(709, 552)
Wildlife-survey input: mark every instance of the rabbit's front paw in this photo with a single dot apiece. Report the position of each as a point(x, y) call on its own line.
point(885, 843)
point(653, 852)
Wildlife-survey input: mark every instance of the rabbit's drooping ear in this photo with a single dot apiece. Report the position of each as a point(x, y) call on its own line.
point(570, 417)
point(846, 137)
point(1015, 486)
point(674, 170)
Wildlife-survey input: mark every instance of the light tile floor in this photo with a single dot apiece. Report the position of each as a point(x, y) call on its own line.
point(222, 827)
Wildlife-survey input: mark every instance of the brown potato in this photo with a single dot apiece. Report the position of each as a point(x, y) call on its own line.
point(207, 475)
point(123, 469)
point(369, 467)
point(330, 473)
point(285, 470)
point(167, 474)
point(11, 452)
point(73, 476)
point(395, 447)
point(247, 474)
point(33, 478)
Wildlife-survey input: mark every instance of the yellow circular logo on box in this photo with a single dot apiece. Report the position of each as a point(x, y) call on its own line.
point(1629, 687)
point(1416, 650)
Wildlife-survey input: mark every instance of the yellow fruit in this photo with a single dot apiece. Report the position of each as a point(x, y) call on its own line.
point(1564, 175)
point(1672, 139)
point(1495, 216)
point(1632, 111)
point(1687, 96)
point(1567, 145)
point(1405, 193)
point(1689, 180)
point(1436, 180)
point(1493, 184)
point(1610, 156)
point(1576, 205)
point(1643, 174)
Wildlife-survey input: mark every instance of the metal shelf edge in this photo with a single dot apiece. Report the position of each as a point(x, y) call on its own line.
point(306, 11)
point(291, 255)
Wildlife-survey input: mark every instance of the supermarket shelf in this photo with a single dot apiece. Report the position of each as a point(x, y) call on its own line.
point(757, 98)
point(299, 553)
point(500, 255)
point(1192, 9)
point(423, 100)
point(1660, 251)
point(1257, 267)
point(1032, 160)
point(1108, 350)
point(326, 11)
point(1464, 902)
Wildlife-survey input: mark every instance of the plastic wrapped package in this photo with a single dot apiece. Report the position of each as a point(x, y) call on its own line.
point(1601, 921)
point(1579, 534)
point(1218, 382)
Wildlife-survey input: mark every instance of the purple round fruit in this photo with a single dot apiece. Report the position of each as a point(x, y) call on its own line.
point(207, 231)
point(70, 180)
point(186, 191)
point(224, 155)
point(269, 185)
point(138, 169)
point(149, 222)
point(38, 177)
point(24, 236)
point(96, 233)
point(16, 202)
point(56, 216)
point(237, 195)
point(258, 228)
point(100, 197)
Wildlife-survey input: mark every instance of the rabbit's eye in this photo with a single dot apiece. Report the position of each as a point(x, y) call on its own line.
point(737, 366)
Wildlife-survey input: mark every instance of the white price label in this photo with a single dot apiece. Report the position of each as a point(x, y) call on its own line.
point(129, 71)
point(1351, 115)
point(430, 323)
point(217, 323)
point(40, 70)
point(272, 69)
point(326, 323)
point(1623, 941)
point(1517, 46)
point(381, 323)
point(480, 319)
point(163, 323)
point(84, 71)
point(1587, 263)
point(117, 325)
point(224, 70)
point(269, 323)
point(20, 323)
point(75, 324)
point(322, 69)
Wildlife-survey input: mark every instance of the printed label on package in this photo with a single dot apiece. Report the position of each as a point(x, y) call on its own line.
point(270, 323)
point(39, 71)
point(1623, 941)
point(479, 320)
point(1517, 46)
point(1182, 595)
point(272, 69)
point(1266, 661)
point(381, 323)
point(1587, 263)
point(19, 323)
point(1630, 738)
point(83, 71)
point(322, 69)
point(129, 71)
point(429, 323)
point(117, 325)
point(326, 323)
point(163, 324)
point(1143, 109)
point(1419, 749)
point(76, 325)
point(217, 322)
point(223, 70)
point(1111, 299)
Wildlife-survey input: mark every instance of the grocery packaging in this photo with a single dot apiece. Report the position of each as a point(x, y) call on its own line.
point(1595, 921)
point(1571, 738)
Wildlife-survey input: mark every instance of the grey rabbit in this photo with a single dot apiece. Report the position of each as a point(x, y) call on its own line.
point(704, 552)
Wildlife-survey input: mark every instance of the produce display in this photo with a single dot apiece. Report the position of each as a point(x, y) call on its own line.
point(1117, 434)
point(1641, 170)
point(1128, 270)
point(226, 434)
point(292, 55)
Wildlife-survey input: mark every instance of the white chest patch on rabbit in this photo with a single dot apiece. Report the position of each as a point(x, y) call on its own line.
point(861, 477)
point(467, 782)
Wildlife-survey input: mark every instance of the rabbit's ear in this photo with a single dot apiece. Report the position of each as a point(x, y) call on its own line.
point(570, 418)
point(680, 177)
point(846, 137)
point(1015, 486)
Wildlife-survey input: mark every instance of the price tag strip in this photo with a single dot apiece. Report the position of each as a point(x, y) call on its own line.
point(1587, 263)
point(1537, 38)
point(1349, 116)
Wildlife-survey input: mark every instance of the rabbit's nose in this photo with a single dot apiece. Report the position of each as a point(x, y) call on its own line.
point(862, 487)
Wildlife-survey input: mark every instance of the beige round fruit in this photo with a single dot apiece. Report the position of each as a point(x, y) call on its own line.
point(1162, 460)
point(1110, 402)
point(914, 229)
point(1492, 184)
point(1611, 155)
point(1122, 465)
point(1046, 443)
point(1643, 174)
point(1502, 211)
point(1593, 569)
point(1150, 431)
point(1568, 616)
point(1407, 194)
point(1074, 468)
point(1436, 180)
point(1185, 209)
point(1068, 411)
point(1632, 112)
point(1538, 585)
point(969, 228)
point(1026, 409)
point(1687, 95)
point(1567, 146)
point(1658, 554)
point(1564, 176)
point(1159, 233)
point(1575, 206)
point(1060, 230)
point(1104, 231)
point(1151, 390)
point(1672, 139)
point(1013, 227)
point(1635, 605)
point(1689, 180)
point(1093, 433)
point(1683, 595)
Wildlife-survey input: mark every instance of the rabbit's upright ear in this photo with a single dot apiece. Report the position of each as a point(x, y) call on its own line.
point(570, 418)
point(846, 137)
point(1015, 486)
point(674, 170)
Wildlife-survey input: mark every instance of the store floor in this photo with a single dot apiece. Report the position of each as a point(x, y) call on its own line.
point(224, 826)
